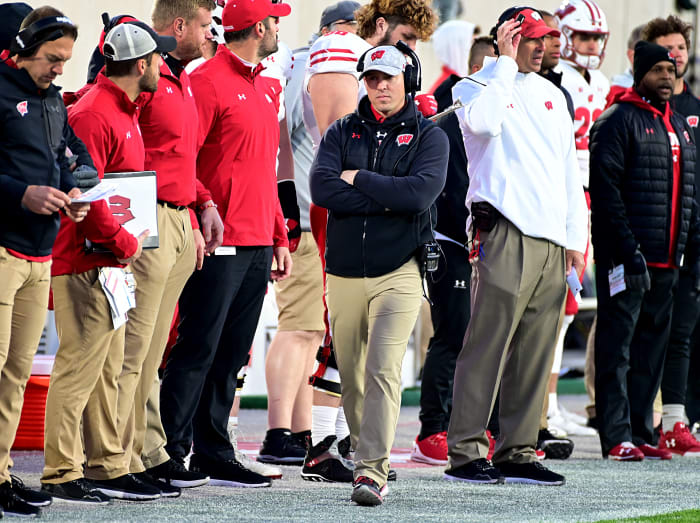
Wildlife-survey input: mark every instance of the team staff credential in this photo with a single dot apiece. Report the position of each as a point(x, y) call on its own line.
point(89, 358)
point(221, 304)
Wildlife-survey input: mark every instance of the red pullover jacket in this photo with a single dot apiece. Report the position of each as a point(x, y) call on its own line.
point(239, 137)
point(169, 124)
point(106, 120)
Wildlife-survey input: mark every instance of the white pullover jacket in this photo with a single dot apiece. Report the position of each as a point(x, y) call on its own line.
point(519, 141)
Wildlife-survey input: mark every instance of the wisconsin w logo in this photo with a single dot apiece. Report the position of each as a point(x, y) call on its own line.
point(376, 55)
point(404, 139)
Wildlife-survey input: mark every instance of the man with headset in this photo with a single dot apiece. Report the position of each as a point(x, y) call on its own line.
point(528, 230)
point(35, 184)
point(378, 172)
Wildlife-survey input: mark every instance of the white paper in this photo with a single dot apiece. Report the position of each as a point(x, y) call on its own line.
point(616, 280)
point(116, 288)
point(574, 283)
point(98, 192)
point(225, 251)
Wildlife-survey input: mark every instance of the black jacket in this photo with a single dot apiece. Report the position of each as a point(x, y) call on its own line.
point(631, 185)
point(33, 136)
point(687, 105)
point(378, 223)
point(451, 204)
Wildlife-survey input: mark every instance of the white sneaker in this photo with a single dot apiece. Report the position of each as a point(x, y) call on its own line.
point(269, 471)
point(572, 416)
point(559, 423)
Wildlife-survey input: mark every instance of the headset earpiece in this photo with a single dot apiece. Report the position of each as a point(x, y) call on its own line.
point(412, 73)
point(505, 16)
point(30, 38)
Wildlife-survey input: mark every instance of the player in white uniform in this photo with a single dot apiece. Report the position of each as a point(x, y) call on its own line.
point(332, 90)
point(584, 36)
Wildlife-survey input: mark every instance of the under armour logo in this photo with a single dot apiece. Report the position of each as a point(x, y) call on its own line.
point(649, 130)
point(460, 284)
point(241, 97)
point(128, 135)
point(355, 135)
point(510, 106)
point(169, 90)
point(381, 135)
point(671, 442)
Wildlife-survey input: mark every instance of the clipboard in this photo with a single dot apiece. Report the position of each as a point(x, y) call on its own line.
point(134, 205)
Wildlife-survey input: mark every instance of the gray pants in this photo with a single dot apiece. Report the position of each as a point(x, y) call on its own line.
point(518, 289)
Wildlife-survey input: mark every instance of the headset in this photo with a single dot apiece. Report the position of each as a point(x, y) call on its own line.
point(505, 16)
point(412, 73)
point(30, 38)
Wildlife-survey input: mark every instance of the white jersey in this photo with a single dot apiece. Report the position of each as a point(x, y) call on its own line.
point(278, 66)
point(589, 103)
point(336, 52)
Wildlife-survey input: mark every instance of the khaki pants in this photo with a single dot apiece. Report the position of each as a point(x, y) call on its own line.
point(160, 277)
point(24, 297)
point(83, 384)
point(371, 321)
point(518, 288)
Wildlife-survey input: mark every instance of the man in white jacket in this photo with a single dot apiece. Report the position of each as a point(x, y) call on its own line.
point(528, 229)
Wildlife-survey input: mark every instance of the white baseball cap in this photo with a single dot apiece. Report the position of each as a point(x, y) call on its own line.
point(385, 58)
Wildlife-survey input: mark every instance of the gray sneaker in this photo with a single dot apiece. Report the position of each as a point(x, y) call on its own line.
point(269, 471)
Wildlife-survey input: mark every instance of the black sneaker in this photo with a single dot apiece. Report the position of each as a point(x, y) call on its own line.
point(324, 463)
point(13, 505)
point(282, 448)
point(166, 490)
point(227, 473)
point(392, 475)
point(77, 491)
point(33, 497)
point(366, 492)
point(127, 487)
point(174, 473)
point(533, 473)
point(554, 447)
point(344, 448)
point(478, 471)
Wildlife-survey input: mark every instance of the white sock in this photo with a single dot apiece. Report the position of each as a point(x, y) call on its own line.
point(553, 408)
point(672, 414)
point(233, 420)
point(341, 424)
point(322, 422)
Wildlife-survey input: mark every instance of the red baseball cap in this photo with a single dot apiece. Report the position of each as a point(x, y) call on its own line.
point(241, 14)
point(534, 26)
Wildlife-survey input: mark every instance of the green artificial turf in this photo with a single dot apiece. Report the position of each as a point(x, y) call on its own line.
point(683, 516)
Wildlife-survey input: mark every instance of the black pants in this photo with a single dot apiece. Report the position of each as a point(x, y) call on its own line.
point(219, 311)
point(686, 310)
point(692, 401)
point(450, 313)
point(630, 345)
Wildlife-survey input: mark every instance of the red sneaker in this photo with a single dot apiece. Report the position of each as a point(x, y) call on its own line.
point(654, 453)
point(680, 441)
point(625, 451)
point(431, 450)
point(492, 445)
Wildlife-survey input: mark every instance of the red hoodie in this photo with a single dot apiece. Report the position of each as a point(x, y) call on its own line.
point(106, 120)
point(239, 133)
point(630, 95)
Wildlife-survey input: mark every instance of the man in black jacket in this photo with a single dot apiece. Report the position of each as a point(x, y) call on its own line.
point(674, 34)
point(35, 183)
point(378, 172)
point(644, 226)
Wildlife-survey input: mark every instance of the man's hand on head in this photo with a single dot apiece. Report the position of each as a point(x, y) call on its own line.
point(508, 38)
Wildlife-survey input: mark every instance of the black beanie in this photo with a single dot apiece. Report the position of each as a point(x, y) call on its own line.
point(11, 16)
point(646, 56)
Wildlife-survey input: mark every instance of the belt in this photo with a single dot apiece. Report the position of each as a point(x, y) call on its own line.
point(172, 205)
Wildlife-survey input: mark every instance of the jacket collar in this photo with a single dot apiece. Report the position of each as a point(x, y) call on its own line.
point(237, 64)
point(406, 114)
point(631, 96)
point(24, 81)
point(117, 93)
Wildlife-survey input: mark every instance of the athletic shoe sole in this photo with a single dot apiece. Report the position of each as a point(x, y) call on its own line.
point(185, 484)
point(16, 515)
point(276, 460)
point(419, 457)
point(627, 458)
point(127, 496)
point(366, 497)
point(492, 481)
point(530, 481)
point(228, 483)
point(75, 501)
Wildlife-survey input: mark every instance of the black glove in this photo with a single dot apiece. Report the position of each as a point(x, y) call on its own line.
point(85, 177)
point(636, 273)
point(287, 193)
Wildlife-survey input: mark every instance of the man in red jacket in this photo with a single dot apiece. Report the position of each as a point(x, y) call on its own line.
point(169, 125)
point(84, 379)
point(221, 304)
